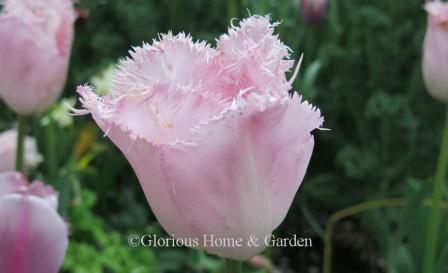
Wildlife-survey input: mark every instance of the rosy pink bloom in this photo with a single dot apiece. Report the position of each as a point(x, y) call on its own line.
point(262, 262)
point(313, 11)
point(435, 50)
point(218, 144)
point(33, 236)
point(35, 42)
point(8, 140)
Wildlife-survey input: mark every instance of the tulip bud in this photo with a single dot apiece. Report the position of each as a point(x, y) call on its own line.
point(33, 236)
point(217, 142)
point(313, 11)
point(8, 140)
point(261, 262)
point(435, 50)
point(35, 42)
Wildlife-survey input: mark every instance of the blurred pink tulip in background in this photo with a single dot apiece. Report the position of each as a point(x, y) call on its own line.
point(313, 11)
point(8, 140)
point(435, 50)
point(35, 43)
point(33, 237)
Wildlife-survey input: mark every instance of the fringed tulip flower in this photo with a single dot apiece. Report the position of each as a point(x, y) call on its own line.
point(35, 42)
point(313, 11)
point(435, 50)
point(8, 140)
point(33, 237)
point(218, 144)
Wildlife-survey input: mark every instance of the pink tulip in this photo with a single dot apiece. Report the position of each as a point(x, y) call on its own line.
point(8, 140)
point(313, 11)
point(35, 41)
point(33, 237)
point(435, 50)
point(218, 144)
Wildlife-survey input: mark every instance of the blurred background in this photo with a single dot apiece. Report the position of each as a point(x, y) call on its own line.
point(362, 68)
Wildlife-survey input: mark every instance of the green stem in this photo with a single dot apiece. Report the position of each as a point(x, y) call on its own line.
point(233, 266)
point(20, 140)
point(434, 216)
point(232, 9)
point(51, 151)
point(357, 209)
point(353, 210)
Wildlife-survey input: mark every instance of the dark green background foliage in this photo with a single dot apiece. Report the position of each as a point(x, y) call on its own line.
point(362, 68)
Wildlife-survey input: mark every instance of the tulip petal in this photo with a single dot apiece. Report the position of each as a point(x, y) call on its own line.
point(173, 59)
point(33, 236)
point(24, 55)
point(47, 193)
point(144, 157)
point(244, 175)
point(435, 50)
point(438, 12)
point(11, 182)
point(254, 56)
point(313, 11)
point(35, 42)
point(8, 151)
point(170, 112)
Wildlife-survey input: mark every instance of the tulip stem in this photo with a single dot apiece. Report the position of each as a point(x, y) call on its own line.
point(233, 266)
point(434, 216)
point(51, 152)
point(20, 140)
point(232, 9)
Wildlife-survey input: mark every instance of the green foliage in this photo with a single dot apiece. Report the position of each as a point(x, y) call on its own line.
point(94, 248)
